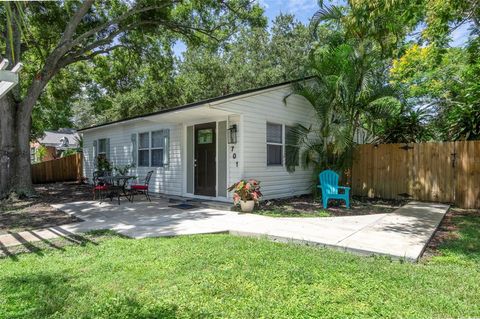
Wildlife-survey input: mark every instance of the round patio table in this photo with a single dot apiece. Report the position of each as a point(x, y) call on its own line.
point(117, 185)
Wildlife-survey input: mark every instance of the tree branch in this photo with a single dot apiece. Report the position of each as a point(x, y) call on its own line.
point(76, 58)
point(117, 20)
point(75, 21)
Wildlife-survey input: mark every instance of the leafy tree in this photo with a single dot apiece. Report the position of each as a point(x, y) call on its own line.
point(405, 126)
point(254, 57)
point(348, 92)
point(40, 153)
point(429, 72)
point(60, 34)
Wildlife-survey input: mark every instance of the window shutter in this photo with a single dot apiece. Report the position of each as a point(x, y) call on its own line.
point(134, 149)
point(94, 153)
point(107, 146)
point(166, 147)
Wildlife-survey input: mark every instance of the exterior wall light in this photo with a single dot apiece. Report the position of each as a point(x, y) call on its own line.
point(232, 134)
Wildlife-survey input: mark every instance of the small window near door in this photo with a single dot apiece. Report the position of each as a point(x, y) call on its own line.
point(205, 136)
point(274, 144)
point(143, 149)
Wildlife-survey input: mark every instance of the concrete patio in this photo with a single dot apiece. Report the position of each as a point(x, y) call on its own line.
point(402, 234)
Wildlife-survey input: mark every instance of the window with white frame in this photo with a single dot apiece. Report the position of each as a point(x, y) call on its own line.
point(144, 149)
point(157, 148)
point(292, 152)
point(102, 148)
point(274, 144)
point(152, 148)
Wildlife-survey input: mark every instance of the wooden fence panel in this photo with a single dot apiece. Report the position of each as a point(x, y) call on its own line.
point(380, 171)
point(442, 172)
point(468, 174)
point(64, 169)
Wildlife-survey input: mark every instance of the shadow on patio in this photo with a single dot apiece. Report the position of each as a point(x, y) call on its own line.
point(146, 219)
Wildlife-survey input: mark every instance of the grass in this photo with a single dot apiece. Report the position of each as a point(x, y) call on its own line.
point(463, 242)
point(278, 212)
point(223, 276)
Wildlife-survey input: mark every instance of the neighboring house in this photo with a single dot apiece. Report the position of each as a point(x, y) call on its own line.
point(199, 149)
point(54, 142)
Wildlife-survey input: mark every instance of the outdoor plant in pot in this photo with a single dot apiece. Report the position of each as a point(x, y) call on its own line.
point(247, 193)
point(123, 170)
point(103, 165)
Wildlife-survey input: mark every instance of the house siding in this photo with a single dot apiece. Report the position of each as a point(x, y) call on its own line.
point(167, 179)
point(257, 110)
point(234, 153)
point(245, 159)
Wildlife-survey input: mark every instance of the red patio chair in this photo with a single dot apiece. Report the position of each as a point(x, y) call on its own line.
point(99, 186)
point(142, 188)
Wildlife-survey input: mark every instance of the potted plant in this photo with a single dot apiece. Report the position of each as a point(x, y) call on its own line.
point(103, 165)
point(123, 170)
point(247, 193)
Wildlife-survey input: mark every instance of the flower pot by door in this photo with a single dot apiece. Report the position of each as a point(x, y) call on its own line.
point(247, 206)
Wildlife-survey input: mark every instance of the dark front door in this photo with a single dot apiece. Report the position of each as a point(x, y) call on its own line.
point(205, 154)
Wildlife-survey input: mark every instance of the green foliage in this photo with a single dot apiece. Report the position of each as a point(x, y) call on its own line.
point(68, 152)
point(254, 57)
point(40, 153)
point(430, 74)
point(278, 212)
point(123, 170)
point(102, 164)
point(347, 92)
point(234, 277)
point(409, 126)
point(120, 70)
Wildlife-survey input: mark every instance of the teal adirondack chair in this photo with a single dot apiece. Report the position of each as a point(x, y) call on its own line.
point(329, 187)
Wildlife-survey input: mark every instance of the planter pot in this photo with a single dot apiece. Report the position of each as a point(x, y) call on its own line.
point(247, 206)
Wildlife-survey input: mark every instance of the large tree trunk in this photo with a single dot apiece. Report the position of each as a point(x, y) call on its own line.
point(8, 151)
point(15, 174)
point(23, 181)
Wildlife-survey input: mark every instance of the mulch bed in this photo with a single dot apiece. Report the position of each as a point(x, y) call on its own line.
point(19, 214)
point(358, 205)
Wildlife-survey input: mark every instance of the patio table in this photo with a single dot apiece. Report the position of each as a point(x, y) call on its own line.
point(118, 185)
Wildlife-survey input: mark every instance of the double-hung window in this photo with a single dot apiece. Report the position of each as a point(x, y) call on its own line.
point(292, 153)
point(157, 148)
point(152, 148)
point(144, 149)
point(274, 144)
point(102, 148)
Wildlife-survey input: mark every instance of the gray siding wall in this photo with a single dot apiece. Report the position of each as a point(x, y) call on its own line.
point(252, 148)
point(167, 179)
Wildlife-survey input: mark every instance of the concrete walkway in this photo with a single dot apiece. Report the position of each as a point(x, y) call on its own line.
point(401, 234)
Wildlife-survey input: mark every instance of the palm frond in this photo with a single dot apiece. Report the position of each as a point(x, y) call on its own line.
point(332, 14)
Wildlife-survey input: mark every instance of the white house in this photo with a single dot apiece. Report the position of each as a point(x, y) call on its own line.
point(199, 149)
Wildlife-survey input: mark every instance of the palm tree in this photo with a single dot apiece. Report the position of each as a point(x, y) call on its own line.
point(348, 91)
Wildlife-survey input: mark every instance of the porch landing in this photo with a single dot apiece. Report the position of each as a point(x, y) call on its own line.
point(402, 234)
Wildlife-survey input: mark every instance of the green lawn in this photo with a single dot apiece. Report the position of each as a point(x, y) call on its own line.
point(227, 276)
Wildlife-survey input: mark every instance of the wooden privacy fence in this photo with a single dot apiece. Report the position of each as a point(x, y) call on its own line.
point(68, 168)
point(442, 172)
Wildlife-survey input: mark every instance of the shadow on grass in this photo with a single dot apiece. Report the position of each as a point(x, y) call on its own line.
point(37, 294)
point(125, 305)
point(458, 237)
point(48, 294)
point(64, 238)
